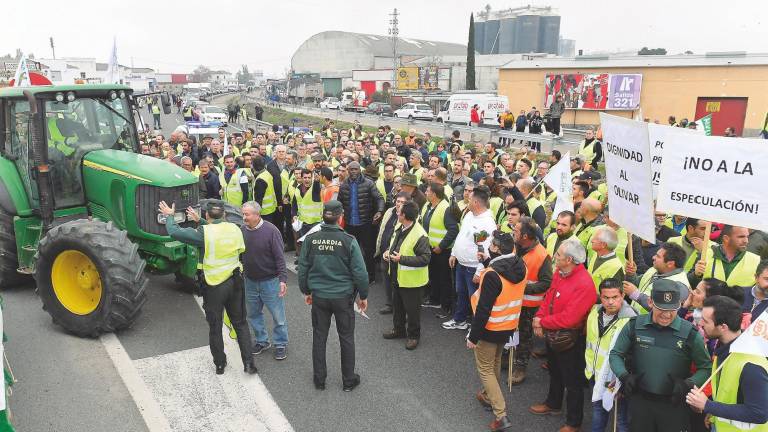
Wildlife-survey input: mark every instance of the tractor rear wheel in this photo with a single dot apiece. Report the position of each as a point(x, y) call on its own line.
point(9, 276)
point(90, 277)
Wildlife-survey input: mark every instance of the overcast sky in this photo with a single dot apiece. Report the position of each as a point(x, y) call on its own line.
point(173, 36)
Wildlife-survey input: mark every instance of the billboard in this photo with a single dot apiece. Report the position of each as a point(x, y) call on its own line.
point(598, 91)
point(408, 78)
point(428, 77)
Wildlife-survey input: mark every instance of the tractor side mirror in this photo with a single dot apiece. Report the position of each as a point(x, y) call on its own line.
point(166, 102)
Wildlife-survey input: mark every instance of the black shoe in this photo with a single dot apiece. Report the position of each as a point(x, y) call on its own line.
point(386, 310)
point(220, 369)
point(250, 369)
point(351, 386)
point(319, 385)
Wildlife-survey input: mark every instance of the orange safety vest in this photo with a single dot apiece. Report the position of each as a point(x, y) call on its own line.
point(533, 262)
point(505, 313)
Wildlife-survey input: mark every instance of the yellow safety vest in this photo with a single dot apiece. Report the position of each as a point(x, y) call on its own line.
point(551, 242)
point(310, 212)
point(497, 211)
point(598, 347)
point(411, 277)
point(646, 285)
point(533, 204)
point(156, 109)
point(57, 140)
point(381, 188)
point(223, 245)
point(692, 255)
point(725, 390)
point(230, 190)
point(607, 269)
point(418, 172)
point(269, 202)
point(437, 230)
point(587, 150)
point(743, 275)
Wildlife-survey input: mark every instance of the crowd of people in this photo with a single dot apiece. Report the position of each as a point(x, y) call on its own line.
point(467, 230)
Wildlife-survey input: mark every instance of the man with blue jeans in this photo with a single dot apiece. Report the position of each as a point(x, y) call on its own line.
point(469, 250)
point(265, 280)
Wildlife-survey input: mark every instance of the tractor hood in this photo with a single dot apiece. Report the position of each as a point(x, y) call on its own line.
point(138, 167)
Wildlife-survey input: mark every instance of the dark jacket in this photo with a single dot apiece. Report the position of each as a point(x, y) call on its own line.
point(277, 182)
point(510, 267)
point(369, 199)
point(209, 186)
point(331, 265)
point(556, 109)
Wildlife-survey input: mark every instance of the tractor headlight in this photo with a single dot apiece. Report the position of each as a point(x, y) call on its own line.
point(178, 218)
point(112, 95)
point(121, 94)
point(59, 97)
point(71, 97)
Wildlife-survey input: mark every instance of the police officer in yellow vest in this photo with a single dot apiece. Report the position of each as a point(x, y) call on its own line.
point(732, 262)
point(740, 388)
point(604, 264)
point(234, 183)
point(408, 257)
point(221, 244)
point(603, 323)
point(667, 264)
point(442, 228)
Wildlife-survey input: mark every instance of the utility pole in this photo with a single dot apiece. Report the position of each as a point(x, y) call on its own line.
point(53, 48)
point(393, 31)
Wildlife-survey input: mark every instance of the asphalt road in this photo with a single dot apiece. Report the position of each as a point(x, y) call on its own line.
point(158, 375)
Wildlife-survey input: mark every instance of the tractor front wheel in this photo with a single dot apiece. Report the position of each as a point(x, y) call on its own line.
point(90, 277)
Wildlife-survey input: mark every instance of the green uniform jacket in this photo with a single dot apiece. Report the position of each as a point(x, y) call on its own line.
point(657, 353)
point(331, 265)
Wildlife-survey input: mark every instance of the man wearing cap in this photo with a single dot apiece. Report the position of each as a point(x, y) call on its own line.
point(410, 185)
point(331, 274)
point(363, 208)
point(652, 358)
point(221, 244)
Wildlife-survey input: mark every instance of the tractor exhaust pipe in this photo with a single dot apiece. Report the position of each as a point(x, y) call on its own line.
point(40, 159)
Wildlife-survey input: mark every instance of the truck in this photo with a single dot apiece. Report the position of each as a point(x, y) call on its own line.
point(458, 107)
point(78, 204)
point(355, 100)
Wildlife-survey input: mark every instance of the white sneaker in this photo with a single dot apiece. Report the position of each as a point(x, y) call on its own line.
point(448, 325)
point(461, 325)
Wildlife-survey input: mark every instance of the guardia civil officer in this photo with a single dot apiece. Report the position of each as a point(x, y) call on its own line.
point(332, 273)
point(652, 357)
point(221, 244)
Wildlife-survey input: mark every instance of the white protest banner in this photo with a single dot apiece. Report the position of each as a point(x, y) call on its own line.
point(754, 340)
point(628, 174)
point(716, 179)
point(559, 179)
point(657, 136)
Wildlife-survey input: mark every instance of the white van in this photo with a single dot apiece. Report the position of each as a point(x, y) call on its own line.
point(458, 107)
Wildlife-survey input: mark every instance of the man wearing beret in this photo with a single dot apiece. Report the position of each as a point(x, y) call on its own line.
point(331, 275)
point(652, 358)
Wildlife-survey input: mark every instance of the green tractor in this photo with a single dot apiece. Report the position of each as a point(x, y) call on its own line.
point(78, 205)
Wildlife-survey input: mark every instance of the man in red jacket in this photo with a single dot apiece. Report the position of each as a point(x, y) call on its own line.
point(562, 317)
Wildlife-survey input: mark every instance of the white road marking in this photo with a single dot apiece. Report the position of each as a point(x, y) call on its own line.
point(148, 407)
point(270, 413)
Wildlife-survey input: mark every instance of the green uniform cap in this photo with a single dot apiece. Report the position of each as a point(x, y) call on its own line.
point(666, 294)
point(409, 180)
point(333, 208)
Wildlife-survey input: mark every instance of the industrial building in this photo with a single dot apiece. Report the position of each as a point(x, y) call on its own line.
point(729, 86)
point(527, 29)
point(333, 55)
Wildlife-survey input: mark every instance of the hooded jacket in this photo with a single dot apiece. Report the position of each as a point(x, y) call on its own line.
point(512, 268)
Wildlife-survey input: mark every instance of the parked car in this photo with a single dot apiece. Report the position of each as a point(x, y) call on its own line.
point(379, 108)
point(330, 103)
point(212, 113)
point(413, 111)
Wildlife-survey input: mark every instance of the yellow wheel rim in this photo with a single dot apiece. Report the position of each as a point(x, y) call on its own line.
point(76, 282)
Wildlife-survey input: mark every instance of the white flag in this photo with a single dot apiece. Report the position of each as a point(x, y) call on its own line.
point(113, 68)
point(21, 79)
point(754, 340)
point(559, 179)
